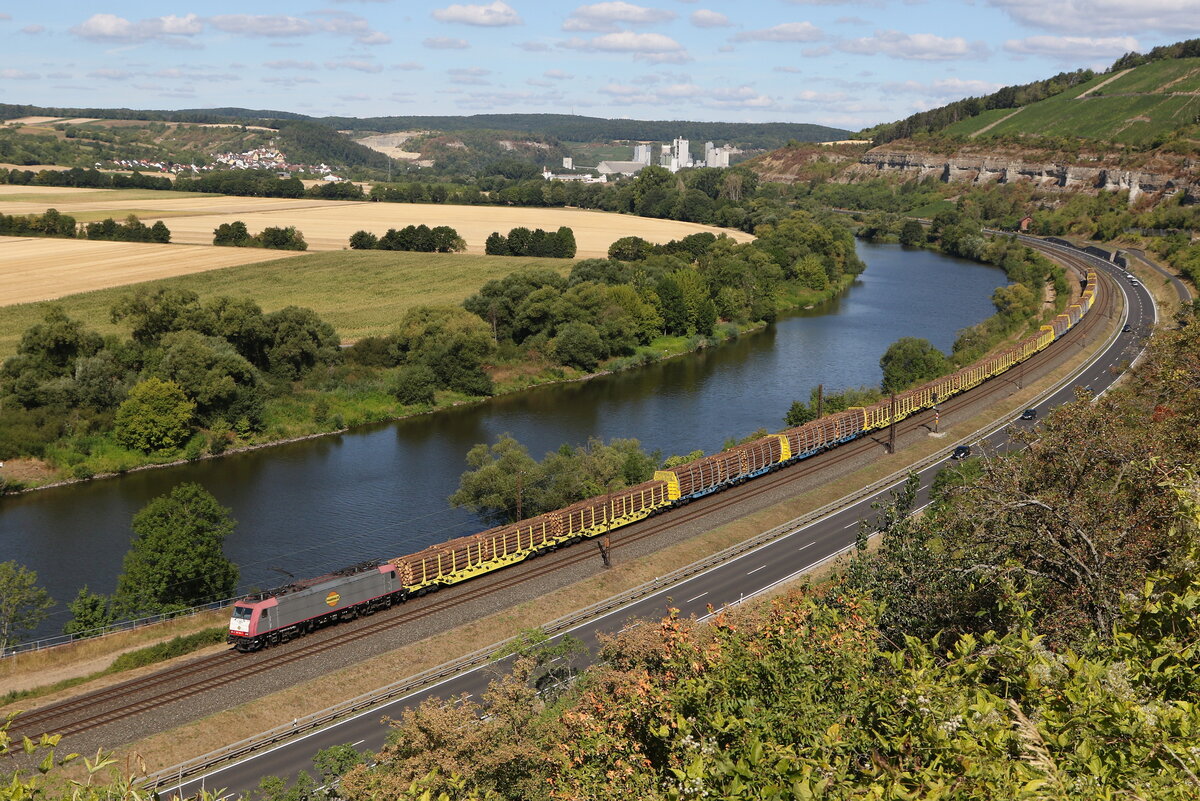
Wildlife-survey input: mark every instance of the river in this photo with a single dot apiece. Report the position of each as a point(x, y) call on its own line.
point(309, 507)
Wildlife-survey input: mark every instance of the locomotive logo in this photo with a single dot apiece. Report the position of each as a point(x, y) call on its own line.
point(332, 599)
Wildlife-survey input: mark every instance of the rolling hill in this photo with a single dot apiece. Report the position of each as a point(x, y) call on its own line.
point(1137, 106)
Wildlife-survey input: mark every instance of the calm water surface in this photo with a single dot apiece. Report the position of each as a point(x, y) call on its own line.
point(379, 492)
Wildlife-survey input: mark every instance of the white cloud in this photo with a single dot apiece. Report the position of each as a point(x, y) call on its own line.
point(358, 65)
point(111, 28)
point(18, 75)
point(627, 42)
point(109, 74)
point(469, 76)
point(558, 75)
point(793, 70)
point(1072, 48)
point(533, 47)
point(606, 17)
point(1105, 16)
point(703, 18)
point(816, 52)
point(943, 88)
point(4, 17)
point(784, 32)
point(409, 66)
point(34, 29)
point(810, 96)
point(289, 81)
point(914, 46)
point(493, 15)
point(262, 24)
point(677, 94)
point(445, 43)
point(289, 64)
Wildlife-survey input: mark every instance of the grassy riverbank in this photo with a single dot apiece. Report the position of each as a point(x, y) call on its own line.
point(354, 396)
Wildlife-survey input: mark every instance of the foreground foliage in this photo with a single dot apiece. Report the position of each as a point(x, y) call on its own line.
point(1033, 635)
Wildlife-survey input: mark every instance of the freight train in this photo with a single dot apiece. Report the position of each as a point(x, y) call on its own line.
point(288, 612)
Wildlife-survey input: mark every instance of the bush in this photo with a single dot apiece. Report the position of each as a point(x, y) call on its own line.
point(414, 384)
point(163, 651)
point(579, 344)
point(155, 417)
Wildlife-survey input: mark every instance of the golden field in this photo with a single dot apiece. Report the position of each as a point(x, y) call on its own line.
point(33, 269)
point(327, 225)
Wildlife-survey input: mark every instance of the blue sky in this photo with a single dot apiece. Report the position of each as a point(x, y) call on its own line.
point(847, 63)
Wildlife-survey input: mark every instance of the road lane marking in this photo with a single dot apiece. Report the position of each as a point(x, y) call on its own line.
point(855, 523)
point(755, 570)
point(802, 547)
point(701, 595)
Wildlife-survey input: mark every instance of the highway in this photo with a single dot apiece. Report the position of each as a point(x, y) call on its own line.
point(778, 561)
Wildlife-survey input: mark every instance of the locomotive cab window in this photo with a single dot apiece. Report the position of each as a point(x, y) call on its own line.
point(242, 612)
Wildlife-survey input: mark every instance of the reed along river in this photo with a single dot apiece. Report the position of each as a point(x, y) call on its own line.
point(378, 492)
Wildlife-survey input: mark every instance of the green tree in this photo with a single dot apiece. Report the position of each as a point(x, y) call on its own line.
point(706, 317)
point(579, 344)
point(910, 361)
point(89, 611)
point(363, 240)
point(496, 245)
point(156, 416)
point(232, 234)
point(177, 559)
point(414, 384)
point(629, 248)
point(497, 484)
point(912, 233)
point(672, 307)
point(23, 603)
point(277, 238)
point(300, 340)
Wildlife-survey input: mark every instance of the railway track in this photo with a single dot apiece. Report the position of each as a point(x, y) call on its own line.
point(93, 711)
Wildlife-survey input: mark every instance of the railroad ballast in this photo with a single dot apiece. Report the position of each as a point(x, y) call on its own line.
point(279, 616)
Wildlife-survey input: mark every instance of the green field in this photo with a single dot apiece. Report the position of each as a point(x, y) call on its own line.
point(1135, 108)
point(359, 292)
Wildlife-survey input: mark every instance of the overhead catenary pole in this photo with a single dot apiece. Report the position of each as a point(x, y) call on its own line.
point(892, 427)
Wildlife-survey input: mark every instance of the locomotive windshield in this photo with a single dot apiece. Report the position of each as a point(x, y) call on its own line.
point(242, 612)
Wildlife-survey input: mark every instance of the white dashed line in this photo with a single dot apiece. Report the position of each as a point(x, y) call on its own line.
point(755, 570)
point(696, 598)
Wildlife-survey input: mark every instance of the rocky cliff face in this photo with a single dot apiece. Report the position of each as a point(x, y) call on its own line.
point(982, 169)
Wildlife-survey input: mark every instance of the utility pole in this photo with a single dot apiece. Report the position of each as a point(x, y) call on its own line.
point(820, 399)
point(520, 475)
point(603, 544)
point(892, 427)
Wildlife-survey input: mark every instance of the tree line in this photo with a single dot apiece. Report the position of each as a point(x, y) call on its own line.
point(419, 238)
point(63, 226)
point(235, 234)
point(521, 241)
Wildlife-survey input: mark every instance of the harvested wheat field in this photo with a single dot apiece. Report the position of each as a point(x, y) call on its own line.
point(328, 226)
point(34, 268)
